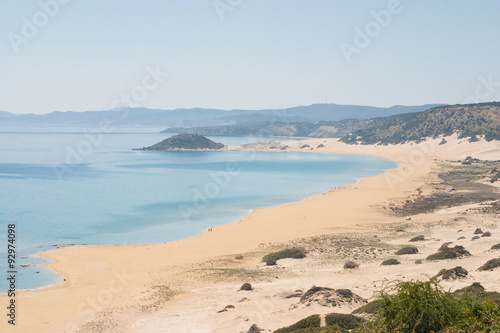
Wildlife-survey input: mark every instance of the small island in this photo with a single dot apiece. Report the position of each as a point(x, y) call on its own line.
point(185, 142)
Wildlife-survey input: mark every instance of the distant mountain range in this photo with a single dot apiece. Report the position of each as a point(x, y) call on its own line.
point(468, 121)
point(187, 118)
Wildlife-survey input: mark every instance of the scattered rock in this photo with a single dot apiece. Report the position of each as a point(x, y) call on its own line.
point(407, 250)
point(351, 265)
point(418, 238)
point(450, 253)
point(454, 273)
point(389, 262)
point(246, 286)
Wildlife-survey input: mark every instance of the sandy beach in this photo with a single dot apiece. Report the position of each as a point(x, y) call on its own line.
point(181, 286)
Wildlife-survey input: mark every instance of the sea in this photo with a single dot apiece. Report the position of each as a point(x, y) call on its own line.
point(71, 185)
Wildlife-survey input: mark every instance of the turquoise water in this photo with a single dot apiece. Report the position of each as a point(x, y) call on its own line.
point(64, 186)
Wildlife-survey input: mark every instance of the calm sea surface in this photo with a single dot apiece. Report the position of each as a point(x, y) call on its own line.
point(63, 186)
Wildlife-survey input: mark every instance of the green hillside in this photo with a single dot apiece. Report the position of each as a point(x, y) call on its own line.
point(468, 121)
point(187, 142)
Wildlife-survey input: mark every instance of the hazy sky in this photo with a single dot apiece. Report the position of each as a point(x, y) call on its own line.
point(58, 55)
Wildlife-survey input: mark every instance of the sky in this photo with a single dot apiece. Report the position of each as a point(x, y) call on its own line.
point(84, 55)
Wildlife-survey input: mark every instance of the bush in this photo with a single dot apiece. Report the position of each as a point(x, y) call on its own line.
point(450, 253)
point(309, 322)
point(453, 273)
point(486, 234)
point(370, 307)
point(296, 253)
point(474, 288)
point(246, 286)
point(254, 329)
point(419, 307)
point(490, 265)
point(314, 290)
point(351, 265)
point(496, 247)
point(418, 238)
point(478, 231)
point(346, 293)
point(407, 250)
point(346, 321)
point(390, 262)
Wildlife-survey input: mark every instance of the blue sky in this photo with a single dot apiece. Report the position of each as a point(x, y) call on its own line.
point(249, 54)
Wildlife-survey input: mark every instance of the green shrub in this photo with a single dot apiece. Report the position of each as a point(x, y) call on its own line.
point(314, 290)
point(486, 234)
point(407, 250)
point(418, 238)
point(478, 231)
point(490, 265)
point(346, 321)
point(370, 307)
point(450, 253)
point(496, 247)
point(309, 322)
point(453, 273)
point(296, 253)
point(474, 288)
point(390, 262)
point(419, 307)
point(489, 296)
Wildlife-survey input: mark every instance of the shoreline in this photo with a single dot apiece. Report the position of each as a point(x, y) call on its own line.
point(93, 270)
point(59, 278)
